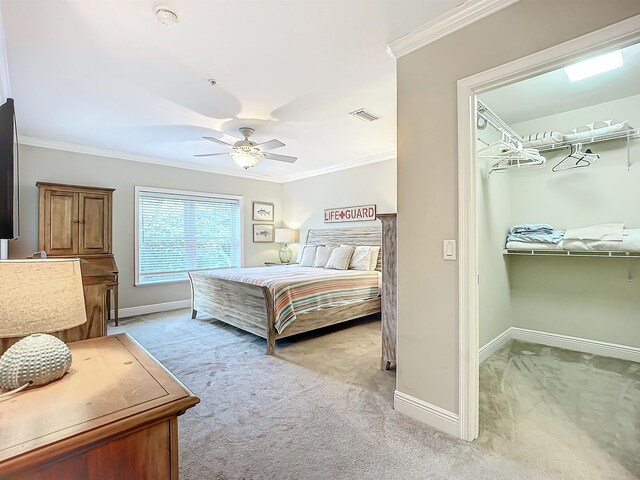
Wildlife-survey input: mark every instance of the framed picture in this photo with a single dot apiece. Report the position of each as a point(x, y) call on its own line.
point(262, 233)
point(263, 212)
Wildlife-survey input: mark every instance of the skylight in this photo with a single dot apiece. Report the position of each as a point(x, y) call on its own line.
point(594, 66)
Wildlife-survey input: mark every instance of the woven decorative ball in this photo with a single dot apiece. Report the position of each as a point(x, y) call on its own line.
point(38, 358)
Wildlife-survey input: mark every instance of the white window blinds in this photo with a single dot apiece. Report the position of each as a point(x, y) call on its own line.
point(181, 231)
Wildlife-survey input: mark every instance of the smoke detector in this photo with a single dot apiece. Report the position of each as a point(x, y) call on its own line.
point(365, 115)
point(166, 16)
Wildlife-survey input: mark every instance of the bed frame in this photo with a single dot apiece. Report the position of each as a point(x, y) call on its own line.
point(250, 307)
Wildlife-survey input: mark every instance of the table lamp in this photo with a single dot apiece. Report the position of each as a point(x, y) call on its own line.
point(37, 297)
point(286, 235)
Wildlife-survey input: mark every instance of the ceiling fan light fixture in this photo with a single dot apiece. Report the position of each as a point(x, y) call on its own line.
point(245, 160)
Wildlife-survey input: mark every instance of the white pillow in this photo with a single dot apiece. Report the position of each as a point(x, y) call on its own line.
point(323, 252)
point(340, 258)
point(307, 256)
point(375, 253)
point(364, 258)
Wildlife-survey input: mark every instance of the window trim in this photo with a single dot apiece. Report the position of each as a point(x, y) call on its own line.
point(138, 189)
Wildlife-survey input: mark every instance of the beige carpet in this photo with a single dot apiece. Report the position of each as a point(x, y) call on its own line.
point(319, 409)
point(573, 415)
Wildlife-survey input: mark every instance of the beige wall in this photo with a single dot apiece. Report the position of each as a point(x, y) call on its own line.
point(304, 200)
point(427, 172)
point(40, 164)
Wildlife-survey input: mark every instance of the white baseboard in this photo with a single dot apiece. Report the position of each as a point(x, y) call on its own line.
point(153, 308)
point(434, 416)
point(492, 346)
point(585, 345)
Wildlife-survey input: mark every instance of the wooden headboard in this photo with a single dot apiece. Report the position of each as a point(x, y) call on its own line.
point(347, 236)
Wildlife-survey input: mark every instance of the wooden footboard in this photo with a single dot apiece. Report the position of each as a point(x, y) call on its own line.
point(250, 308)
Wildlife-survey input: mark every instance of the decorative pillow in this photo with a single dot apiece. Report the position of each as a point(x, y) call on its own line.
point(340, 258)
point(307, 256)
point(323, 252)
point(364, 257)
point(375, 253)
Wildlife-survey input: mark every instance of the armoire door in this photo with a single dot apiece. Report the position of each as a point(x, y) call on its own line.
point(61, 220)
point(95, 223)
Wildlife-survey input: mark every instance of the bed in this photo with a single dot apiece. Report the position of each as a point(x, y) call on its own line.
point(254, 299)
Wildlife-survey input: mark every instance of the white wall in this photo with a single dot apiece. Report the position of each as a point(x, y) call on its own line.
point(41, 164)
point(494, 217)
point(582, 297)
point(304, 200)
point(427, 172)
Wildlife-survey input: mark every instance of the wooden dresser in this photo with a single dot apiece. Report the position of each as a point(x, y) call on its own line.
point(114, 416)
point(389, 285)
point(76, 221)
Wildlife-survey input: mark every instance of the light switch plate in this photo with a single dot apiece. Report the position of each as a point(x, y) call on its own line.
point(448, 249)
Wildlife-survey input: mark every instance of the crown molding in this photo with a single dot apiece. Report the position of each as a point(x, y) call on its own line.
point(344, 166)
point(455, 19)
point(103, 152)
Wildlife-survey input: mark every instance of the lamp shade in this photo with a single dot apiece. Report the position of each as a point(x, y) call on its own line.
point(286, 235)
point(244, 159)
point(40, 296)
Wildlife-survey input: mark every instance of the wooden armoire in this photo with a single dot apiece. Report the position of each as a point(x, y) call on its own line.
point(76, 221)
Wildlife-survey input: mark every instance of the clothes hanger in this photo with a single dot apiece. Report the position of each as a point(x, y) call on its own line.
point(576, 159)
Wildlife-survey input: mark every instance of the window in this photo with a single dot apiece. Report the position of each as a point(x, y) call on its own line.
point(178, 231)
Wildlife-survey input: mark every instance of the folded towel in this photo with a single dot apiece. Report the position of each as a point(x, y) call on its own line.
point(605, 231)
point(541, 139)
point(553, 236)
point(531, 228)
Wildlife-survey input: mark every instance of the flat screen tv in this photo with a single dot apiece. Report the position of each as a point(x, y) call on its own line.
point(9, 169)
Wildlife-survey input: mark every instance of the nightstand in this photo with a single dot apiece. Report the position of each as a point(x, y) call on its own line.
point(271, 264)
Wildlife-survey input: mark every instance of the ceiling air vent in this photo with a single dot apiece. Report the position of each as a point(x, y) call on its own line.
point(364, 114)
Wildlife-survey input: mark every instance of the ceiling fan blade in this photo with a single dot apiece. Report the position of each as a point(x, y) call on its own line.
point(280, 158)
point(271, 144)
point(219, 142)
point(210, 154)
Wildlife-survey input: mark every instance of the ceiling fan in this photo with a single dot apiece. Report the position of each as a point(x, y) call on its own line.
point(247, 153)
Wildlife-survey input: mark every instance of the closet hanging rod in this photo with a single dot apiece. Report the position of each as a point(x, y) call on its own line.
point(495, 121)
point(625, 134)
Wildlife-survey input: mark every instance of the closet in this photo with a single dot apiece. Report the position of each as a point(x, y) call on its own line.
point(558, 190)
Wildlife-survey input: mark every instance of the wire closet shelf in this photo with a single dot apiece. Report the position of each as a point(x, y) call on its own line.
point(570, 253)
point(508, 151)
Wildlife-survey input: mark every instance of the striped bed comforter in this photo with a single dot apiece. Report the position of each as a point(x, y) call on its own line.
point(297, 290)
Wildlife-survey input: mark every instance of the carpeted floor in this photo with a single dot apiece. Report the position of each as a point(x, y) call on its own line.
point(320, 408)
point(570, 414)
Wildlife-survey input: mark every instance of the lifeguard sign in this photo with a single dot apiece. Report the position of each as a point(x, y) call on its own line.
point(361, 213)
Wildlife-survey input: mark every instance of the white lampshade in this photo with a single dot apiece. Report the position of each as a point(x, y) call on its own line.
point(244, 159)
point(286, 235)
point(40, 296)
